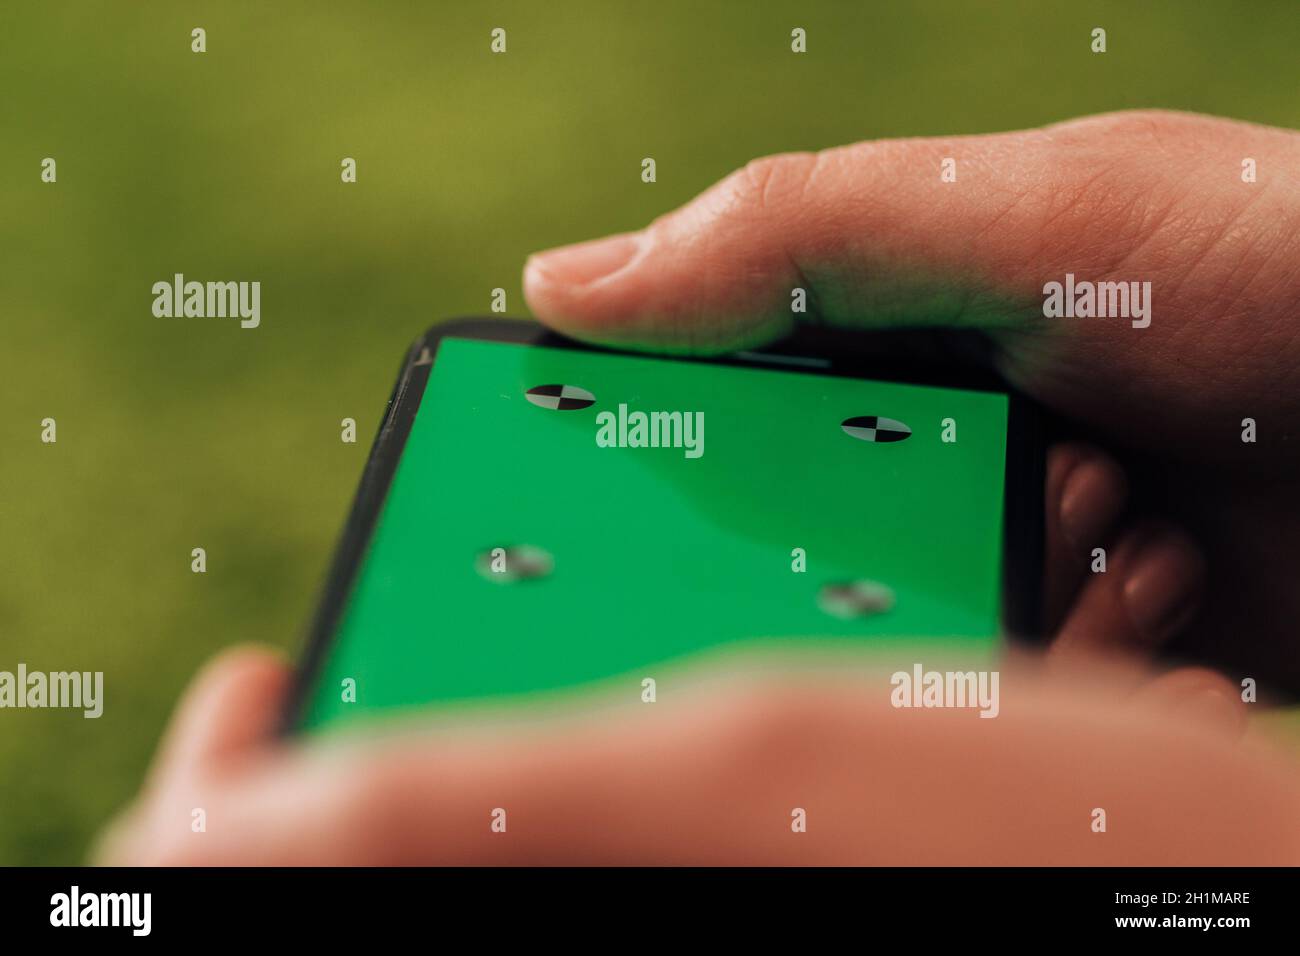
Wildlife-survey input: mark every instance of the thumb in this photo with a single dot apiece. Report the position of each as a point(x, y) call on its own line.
point(878, 236)
point(233, 706)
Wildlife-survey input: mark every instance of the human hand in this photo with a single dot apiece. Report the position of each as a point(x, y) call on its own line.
point(712, 773)
point(610, 784)
point(877, 240)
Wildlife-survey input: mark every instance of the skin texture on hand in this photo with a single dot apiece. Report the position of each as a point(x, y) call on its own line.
point(714, 776)
point(701, 776)
point(879, 241)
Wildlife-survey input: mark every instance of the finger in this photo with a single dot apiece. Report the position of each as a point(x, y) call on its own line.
point(431, 796)
point(1086, 492)
point(1149, 591)
point(876, 236)
point(718, 781)
point(877, 239)
point(234, 704)
point(1200, 696)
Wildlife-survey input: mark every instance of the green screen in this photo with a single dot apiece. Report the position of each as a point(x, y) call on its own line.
point(655, 555)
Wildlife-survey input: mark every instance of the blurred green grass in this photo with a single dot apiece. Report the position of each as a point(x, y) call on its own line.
point(182, 433)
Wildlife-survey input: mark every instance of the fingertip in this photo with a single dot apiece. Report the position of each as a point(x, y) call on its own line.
point(581, 263)
point(576, 289)
point(1092, 496)
point(711, 277)
point(236, 700)
point(1164, 577)
point(1086, 493)
point(1150, 593)
point(241, 670)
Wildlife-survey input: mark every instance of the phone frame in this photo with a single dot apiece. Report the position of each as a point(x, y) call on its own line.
point(813, 352)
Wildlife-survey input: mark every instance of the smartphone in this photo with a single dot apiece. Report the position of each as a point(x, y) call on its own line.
point(540, 517)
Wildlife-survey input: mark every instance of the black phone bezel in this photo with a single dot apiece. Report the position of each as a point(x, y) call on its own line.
point(1023, 498)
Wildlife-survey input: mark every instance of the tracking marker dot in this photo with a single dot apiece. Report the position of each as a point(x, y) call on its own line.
point(562, 398)
point(519, 563)
point(850, 599)
point(873, 428)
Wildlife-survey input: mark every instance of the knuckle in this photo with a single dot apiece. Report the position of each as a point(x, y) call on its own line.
point(773, 182)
